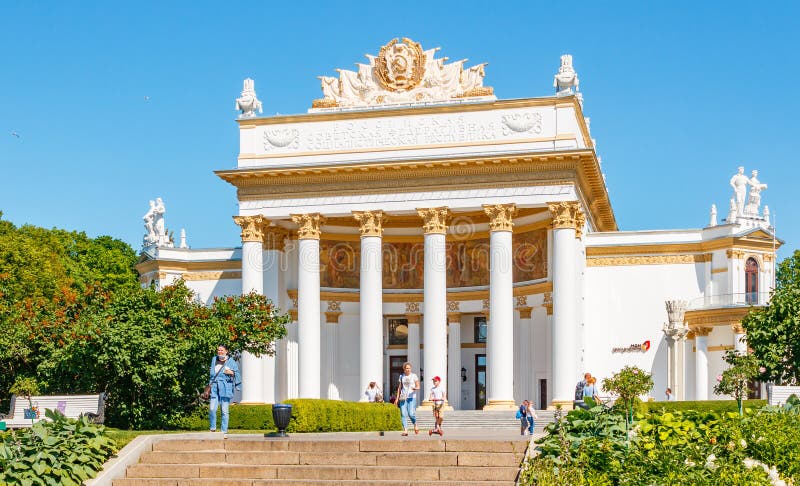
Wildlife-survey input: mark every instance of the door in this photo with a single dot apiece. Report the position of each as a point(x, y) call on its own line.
point(542, 394)
point(395, 370)
point(480, 381)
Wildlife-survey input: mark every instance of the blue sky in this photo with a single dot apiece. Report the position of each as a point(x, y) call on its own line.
point(679, 93)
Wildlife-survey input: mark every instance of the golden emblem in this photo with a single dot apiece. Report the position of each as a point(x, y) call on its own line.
point(400, 65)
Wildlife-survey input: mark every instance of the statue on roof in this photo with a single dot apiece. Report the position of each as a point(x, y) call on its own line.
point(739, 184)
point(566, 80)
point(402, 72)
point(248, 103)
point(155, 226)
point(754, 201)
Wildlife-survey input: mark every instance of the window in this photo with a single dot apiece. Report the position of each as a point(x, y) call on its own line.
point(480, 329)
point(398, 331)
point(751, 281)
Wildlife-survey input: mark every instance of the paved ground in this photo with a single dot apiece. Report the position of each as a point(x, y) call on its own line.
point(393, 435)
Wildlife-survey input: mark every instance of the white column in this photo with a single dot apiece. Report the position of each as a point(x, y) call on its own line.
point(292, 353)
point(371, 298)
point(500, 337)
point(274, 290)
point(708, 292)
point(413, 317)
point(565, 302)
point(739, 340)
point(434, 339)
point(675, 333)
point(332, 349)
point(454, 356)
point(308, 303)
point(525, 357)
point(701, 362)
point(252, 281)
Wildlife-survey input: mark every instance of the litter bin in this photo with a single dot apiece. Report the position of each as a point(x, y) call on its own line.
point(281, 415)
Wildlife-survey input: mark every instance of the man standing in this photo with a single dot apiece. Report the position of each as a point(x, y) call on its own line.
point(739, 184)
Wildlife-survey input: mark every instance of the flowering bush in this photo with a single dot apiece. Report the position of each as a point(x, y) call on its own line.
point(629, 383)
point(736, 379)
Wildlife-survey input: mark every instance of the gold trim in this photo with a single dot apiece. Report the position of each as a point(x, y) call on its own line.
point(715, 317)
point(434, 219)
point(643, 260)
point(332, 317)
point(149, 266)
point(737, 328)
point(547, 303)
point(454, 318)
point(501, 216)
point(565, 214)
point(274, 237)
point(677, 248)
point(722, 347)
point(524, 312)
point(218, 275)
point(702, 331)
point(310, 225)
point(473, 345)
point(413, 318)
point(736, 254)
point(719, 270)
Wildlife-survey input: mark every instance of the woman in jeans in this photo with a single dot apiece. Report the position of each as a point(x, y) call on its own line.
point(407, 397)
point(224, 378)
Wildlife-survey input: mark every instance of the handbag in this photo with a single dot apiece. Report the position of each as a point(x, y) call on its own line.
point(207, 390)
point(519, 415)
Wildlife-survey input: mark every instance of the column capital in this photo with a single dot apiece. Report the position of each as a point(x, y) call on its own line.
point(454, 318)
point(768, 257)
point(566, 214)
point(547, 303)
point(524, 312)
point(580, 222)
point(333, 312)
point(310, 225)
point(737, 328)
point(251, 227)
point(274, 237)
point(735, 254)
point(485, 309)
point(701, 331)
point(371, 222)
point(501, 216)
point(414, 317)
point(434, 219)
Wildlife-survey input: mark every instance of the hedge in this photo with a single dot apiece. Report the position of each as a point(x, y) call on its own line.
point(307, 416)
point(718, 406)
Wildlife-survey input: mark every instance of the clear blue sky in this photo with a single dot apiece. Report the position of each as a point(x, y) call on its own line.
point(679, 94)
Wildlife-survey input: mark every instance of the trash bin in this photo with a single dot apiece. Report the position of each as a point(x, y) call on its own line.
point(281, 415)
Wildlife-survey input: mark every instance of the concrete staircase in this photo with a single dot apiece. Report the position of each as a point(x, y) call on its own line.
point(250, 461)
point(479, 419)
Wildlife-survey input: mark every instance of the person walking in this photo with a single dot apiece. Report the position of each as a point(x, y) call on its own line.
point(438, 396)
point(224, 379)
point(522, 415)
point(373, 393)
point(407, 387)
point(532, 417)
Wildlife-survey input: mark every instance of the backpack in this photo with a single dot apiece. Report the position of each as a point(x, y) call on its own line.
point(579, 390)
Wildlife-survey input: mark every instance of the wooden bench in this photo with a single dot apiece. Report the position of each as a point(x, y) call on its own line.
point(72, 406)
point(777, 395)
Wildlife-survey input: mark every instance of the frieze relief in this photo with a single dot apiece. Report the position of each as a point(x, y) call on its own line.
point(281, 138)
point(522, 123)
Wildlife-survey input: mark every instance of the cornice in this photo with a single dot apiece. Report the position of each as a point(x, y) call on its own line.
point(715, 317)
point(613, 261)
point(184, 267)
point(736, 246)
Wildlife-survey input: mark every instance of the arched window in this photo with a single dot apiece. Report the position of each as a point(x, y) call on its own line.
point(751, 281)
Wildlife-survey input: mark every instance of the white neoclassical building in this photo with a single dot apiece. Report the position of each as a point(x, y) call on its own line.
point(411, 215)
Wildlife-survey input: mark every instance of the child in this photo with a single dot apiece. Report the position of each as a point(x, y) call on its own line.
point(438, 396)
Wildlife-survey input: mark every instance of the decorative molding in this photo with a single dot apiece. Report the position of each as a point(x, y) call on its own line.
point(768, 257)
point(716, 317)
point(501, 216)
point(412, 307)
point(453, 305)
point(454, 317)
point(580, 223)
point(522, 301)
point(737, 328)
point(310, 225)
point(218, 275)
point(434, 219)
point(725, 243)
point(735, 253)
point(565, 214)
point(371, 222)
point(473, 345)
point(719, 270)
point(334, 305)
point(643, 260)
point(274, 237)
point(522, 123)
point(702, 331)
point(722, 347)
point(293, 314)
point(251, 227)
point(524, 312)
point(708, 257)
point(332, 317)
point(414, 317)
point(294, 300)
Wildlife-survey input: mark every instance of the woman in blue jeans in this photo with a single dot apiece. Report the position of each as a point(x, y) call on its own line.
point(407, 397)
point(224, 378)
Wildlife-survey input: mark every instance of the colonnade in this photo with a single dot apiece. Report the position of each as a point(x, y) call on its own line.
point(260, 242)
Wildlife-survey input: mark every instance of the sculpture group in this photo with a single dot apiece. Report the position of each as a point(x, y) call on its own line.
point(402, 73)
point(739, 208)
point(155, 227)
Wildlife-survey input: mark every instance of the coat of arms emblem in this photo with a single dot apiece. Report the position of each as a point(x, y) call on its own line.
point(400, 65)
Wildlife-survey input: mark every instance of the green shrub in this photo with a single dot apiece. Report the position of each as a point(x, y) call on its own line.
point(774, 439)
point(718, 406)
point(59, 451)
point(307, 416)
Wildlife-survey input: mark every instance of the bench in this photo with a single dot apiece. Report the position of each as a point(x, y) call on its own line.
point(72, 406)
point(777, 395)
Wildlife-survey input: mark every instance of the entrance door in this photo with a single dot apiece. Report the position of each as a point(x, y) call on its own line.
point(542, 394)
point(395, 370)
point(480, 381)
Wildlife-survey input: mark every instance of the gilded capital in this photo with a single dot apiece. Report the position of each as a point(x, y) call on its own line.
point(413, 318)
point(737, 328)
point(501, 216)
point(580, 222)
point(566, 214)
point(274, 237)
point(434, 219)
point(701, 331)
point(309, 225)
point(547, 303)
point(524, 312)
point(454, 317)
point(251, 227)
point(371, 222)
point(735, 254)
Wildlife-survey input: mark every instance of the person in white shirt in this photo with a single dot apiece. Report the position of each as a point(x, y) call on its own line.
point(438, 396)
point(407, 387)
point(373, 393)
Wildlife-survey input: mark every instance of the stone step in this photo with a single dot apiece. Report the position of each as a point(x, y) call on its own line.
point(368, 445)
point(303, 482)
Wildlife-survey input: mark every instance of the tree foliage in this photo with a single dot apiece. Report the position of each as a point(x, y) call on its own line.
point(773, 332)
point(735, 380)
point(629, 383)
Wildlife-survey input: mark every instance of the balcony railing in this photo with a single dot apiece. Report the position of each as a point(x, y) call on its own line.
point(730, 300)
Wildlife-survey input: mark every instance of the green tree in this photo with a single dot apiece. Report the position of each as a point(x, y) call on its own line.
point(773, 331)
point(629, 383)
point(735, 380)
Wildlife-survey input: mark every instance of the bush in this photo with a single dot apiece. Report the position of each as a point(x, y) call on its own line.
point(718, 406)
point(307, 416)
point(58, 451)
